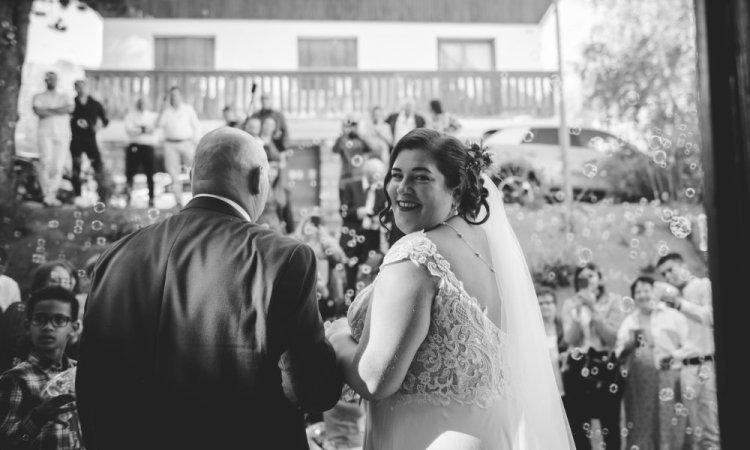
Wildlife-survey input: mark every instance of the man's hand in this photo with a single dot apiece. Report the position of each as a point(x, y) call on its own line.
point(361, 212)
point(49, 409)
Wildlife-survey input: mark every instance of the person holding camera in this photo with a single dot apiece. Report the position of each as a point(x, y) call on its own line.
point(650, 345)
point(691, 296)
point(140, 125)
point(593, 388)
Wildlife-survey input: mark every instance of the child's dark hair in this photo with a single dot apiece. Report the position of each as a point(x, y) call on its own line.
point(670, 257)
point(641, 279)
point(57, 293)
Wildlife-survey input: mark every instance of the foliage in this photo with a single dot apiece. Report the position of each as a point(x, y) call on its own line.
point(639, 76)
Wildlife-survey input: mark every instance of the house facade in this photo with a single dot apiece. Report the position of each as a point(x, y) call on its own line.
point(326, 58)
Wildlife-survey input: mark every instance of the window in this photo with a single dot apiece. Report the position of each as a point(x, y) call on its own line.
point(184, 52)
point(327, 53)
point(466, 54)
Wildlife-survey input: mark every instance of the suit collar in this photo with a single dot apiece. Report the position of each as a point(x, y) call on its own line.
point(214, 204)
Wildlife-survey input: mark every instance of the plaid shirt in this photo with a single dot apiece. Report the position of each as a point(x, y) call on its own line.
point(20, 390)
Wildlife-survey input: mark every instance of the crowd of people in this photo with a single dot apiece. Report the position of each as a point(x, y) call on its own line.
point(648, 353)
point(432, 336)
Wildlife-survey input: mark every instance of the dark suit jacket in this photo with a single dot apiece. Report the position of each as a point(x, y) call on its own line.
point(353, 196)
point(391, 120)
point(203, 331)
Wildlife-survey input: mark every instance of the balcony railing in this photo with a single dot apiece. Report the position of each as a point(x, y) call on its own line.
point(321, 94)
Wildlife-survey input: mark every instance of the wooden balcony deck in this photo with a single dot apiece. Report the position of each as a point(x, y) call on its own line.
point(329, 94)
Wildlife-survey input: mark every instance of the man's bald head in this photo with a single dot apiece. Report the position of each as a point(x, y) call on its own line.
point(231, 163)
point(224, 151)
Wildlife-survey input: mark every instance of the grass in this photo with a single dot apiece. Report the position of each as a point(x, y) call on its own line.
point(623, 239)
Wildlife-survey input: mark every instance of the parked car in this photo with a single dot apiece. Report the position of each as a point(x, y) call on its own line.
point(534, 153)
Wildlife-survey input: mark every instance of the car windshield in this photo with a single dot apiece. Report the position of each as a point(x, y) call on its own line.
point(582, 137)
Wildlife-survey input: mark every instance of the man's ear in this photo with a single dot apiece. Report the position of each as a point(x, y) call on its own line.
point(76, 325)
point(253, 179)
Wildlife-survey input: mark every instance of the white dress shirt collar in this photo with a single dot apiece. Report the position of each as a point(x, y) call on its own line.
point(231, 203)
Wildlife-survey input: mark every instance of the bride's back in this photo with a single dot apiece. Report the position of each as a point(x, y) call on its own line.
point(472, 270)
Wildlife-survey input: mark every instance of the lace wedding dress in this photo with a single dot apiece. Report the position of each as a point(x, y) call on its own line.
point(473, 384)
point(455, 386)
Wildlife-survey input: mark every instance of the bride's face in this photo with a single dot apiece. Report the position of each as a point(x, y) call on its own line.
point(418, 192)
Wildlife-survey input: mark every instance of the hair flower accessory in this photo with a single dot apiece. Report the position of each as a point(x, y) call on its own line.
point(478, 158)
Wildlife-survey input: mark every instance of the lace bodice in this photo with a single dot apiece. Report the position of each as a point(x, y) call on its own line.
point(460, 360)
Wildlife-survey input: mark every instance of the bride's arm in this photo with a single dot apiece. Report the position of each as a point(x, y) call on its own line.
point(397, 322)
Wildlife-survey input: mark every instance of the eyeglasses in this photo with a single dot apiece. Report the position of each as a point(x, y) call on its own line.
point(546, 302)
point(58, 320)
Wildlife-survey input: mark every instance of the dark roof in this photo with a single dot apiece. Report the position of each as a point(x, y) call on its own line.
point(466, 11)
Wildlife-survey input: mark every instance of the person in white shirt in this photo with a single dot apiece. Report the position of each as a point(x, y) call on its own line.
point(692, 297)
point(140, 125)
point(9, 291)
point(405, 120)
point(181, 130)
point(651, 346)
point(54, 134)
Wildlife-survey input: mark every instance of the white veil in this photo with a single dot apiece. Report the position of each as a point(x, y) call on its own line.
point(534, 403)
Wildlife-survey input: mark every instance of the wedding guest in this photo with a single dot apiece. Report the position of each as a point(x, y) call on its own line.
point(331, 259)
point(53, 134)
point(278, 214)
point(405, 120)
point(440, 120)
point(87, 118)
point(447, 345)
point(650, 341)
point(280, 132)
point(140, 125)
point(14, 342)
point(181, 129)
point(253, 125)
point(377, 133)
point(354, 151)
point(361, 200)
point(204, 326)
point(692, 298)
point(28, 419)
point(232, 117)
point(591, 319)
point(267, 131)
point(9, 291)
point(554, 330)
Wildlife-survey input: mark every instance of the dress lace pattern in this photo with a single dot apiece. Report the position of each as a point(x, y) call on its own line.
point(460, 360)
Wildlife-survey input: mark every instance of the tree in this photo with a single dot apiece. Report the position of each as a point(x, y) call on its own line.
point(639, 75)
point(14, 27)
point(14, 24)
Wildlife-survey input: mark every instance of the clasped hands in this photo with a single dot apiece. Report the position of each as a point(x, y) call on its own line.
point(337, 329)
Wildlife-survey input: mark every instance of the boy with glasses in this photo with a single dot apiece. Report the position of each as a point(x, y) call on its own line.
point(27, 418)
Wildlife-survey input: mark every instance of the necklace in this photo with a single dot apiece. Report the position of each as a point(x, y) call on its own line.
point(476, 253)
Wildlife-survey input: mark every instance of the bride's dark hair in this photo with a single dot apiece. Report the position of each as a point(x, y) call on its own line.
point(461, 166)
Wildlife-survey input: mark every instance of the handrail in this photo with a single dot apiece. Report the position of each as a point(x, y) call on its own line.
point(330, 93)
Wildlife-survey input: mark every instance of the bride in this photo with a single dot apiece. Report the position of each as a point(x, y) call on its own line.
point(447, 344)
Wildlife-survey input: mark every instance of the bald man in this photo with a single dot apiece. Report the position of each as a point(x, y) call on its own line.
point(202, 331)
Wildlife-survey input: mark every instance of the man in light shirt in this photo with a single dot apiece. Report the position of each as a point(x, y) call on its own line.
point(181, 130)
point(405, 120)
point(692, 297)
point(140, 125)
point(54, 109)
